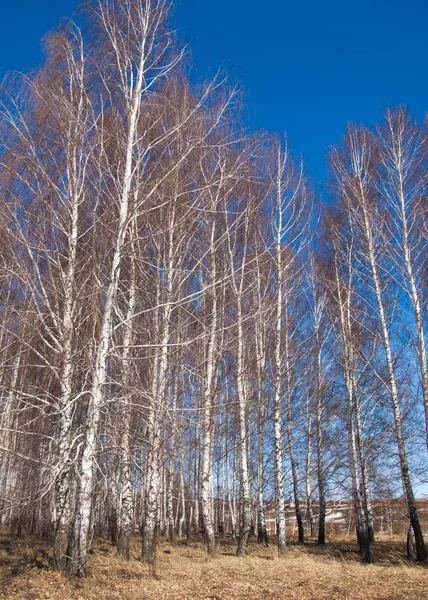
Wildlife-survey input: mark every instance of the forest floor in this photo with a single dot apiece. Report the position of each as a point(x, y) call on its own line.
point(183, 572)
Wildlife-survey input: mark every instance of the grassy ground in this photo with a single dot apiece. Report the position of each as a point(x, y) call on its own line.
point(184, 573)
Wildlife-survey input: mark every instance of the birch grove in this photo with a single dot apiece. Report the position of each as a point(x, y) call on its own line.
point(191, 343)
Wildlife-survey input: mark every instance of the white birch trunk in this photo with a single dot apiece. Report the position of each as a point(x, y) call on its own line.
point(182, 520)
point(207, 416)
point(171, 473)
point(260, 341)
point(8, 445)
point(154, 471)
point(125, 502)
point(245, 484)
point(278, 372)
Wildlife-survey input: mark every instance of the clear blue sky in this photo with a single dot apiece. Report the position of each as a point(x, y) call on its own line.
point(307, 67)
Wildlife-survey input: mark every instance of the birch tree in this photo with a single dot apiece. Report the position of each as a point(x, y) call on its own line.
point(403, 184)
point(358, 189)
point(290, 218)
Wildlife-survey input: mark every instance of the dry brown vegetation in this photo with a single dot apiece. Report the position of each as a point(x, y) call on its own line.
point(183, 572)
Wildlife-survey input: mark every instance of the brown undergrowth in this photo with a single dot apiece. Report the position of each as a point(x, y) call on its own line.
point(183, 572)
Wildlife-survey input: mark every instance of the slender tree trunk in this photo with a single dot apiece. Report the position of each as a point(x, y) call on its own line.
point(153, 518)
point(230, 487)
point(182, 521)
point(320, 446)
point(171, 473)
point(196, 492)
point(262, 534)
point(301, 531)
point(245, 484)
point(278, 373)
point(308, 486)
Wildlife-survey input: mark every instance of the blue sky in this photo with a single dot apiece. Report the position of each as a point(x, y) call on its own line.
point(307, 67)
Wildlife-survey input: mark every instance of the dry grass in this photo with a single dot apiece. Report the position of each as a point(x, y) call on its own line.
point(184, 573)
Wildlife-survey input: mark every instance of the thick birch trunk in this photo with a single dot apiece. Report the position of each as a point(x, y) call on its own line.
point(8, 442)
point(62, 499)
point(207, 484)
point(152, 519)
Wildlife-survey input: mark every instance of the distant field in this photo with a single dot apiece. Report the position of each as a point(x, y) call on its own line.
point(183, 573)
